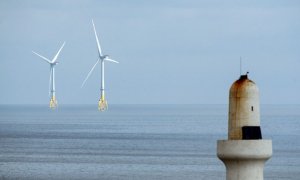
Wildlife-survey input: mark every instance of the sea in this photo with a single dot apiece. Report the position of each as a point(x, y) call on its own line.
point(135, 142)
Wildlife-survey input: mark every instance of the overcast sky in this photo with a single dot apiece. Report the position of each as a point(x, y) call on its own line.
point(170, 52)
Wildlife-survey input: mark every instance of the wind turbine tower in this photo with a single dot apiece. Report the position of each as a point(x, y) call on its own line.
point(102, 104)
point(53, 101)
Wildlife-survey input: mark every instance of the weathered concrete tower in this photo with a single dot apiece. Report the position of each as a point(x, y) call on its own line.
point(244, 153)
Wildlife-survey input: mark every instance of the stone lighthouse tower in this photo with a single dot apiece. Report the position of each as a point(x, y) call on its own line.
point(245, 152)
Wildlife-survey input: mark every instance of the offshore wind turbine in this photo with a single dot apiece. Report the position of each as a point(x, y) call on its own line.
point(102, 104)
point(53, 102)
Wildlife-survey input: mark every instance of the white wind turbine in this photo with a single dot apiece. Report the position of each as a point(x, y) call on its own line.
point(102, 105)
point(53, 62)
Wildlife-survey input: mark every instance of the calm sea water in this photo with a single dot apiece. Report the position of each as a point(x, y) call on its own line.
point(164, 142)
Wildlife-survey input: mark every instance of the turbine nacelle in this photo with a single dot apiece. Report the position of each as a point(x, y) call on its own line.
point(54, 63)
point(104, 56)
point(107, 58)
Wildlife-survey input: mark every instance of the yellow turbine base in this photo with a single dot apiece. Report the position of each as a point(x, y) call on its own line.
point(53, 103)
point(102, 105)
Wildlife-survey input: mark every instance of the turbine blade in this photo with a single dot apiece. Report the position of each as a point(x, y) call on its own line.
point(98, 44)
point(55, 57)
point(111, 60)
point(46, 59)
point(89, 73)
